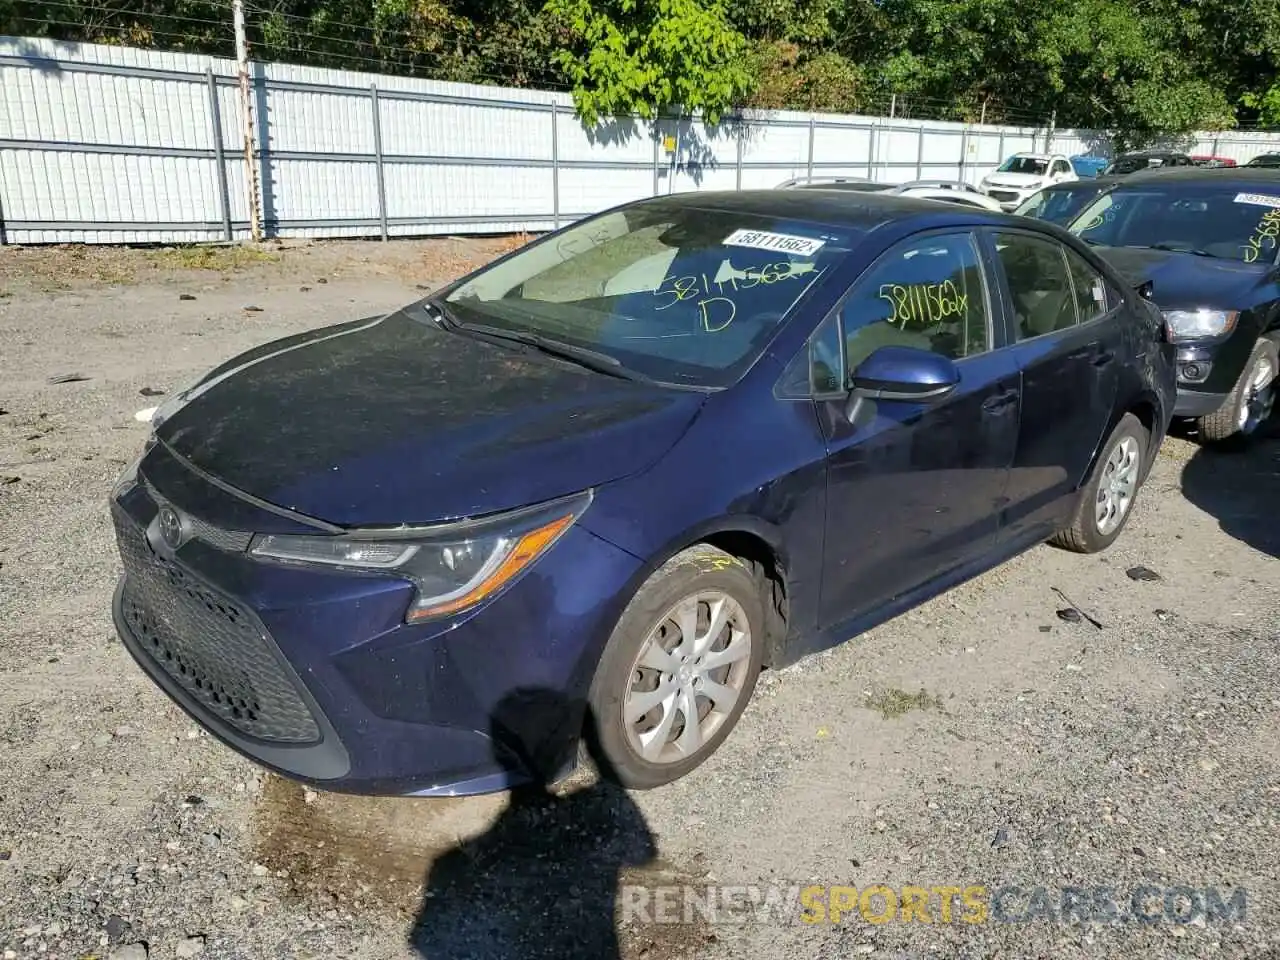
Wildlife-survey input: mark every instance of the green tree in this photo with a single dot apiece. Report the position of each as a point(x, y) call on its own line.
point(643, 56)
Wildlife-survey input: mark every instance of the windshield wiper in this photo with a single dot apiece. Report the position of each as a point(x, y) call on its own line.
point(1194, 251)
point(584, 357)
point(440, 313)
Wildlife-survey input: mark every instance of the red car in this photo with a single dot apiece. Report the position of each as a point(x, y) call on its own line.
point(1203, 160)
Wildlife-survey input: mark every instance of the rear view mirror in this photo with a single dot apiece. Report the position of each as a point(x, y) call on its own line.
point(905, 373)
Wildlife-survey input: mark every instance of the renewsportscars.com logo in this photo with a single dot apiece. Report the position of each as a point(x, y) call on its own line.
point(936, 904)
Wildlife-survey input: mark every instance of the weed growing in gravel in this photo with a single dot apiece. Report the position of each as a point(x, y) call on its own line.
point(894, 702)
point(212, 258)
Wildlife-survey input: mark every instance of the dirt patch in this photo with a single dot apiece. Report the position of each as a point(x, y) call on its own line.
point(73, 267)
point(362, 852)
point(895, 703)
point(513, 870)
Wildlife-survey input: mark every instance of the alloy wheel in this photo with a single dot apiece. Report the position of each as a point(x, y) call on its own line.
point(690, 673)
point(1259, 396)
point(1117, 485)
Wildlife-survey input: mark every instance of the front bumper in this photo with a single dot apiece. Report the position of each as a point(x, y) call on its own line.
point(313, 673)
point(1192, 403)
point(1008, 198)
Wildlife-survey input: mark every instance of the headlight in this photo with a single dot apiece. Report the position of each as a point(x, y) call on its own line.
point(1196, 324)
point(454, 566)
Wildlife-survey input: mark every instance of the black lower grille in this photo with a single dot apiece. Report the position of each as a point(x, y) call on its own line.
point(1003, 196)
point(211, 646)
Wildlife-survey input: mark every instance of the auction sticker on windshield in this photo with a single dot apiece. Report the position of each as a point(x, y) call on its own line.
point(782, 242)
point(1258, 199)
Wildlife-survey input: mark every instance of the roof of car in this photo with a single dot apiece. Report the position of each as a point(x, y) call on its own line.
point(1269, 175)
point(1084, 182)
point(835, 207)
point(1153, 153)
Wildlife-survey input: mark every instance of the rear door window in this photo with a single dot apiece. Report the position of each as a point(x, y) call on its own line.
point(1040, 286)
point(1092, 293)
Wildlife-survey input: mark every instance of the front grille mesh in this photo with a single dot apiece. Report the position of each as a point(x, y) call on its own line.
point(211, 646)
point(234, 541)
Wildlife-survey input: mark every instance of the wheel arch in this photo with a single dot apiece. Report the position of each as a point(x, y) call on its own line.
point(750, 538)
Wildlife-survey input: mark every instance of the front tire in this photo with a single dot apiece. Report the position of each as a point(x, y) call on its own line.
point(1107, 498)
point(679, 668)
point(1249, 405)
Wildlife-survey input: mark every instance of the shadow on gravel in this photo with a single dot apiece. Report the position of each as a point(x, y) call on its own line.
point(1241, 491)
point(532, 873)
point(542, 881)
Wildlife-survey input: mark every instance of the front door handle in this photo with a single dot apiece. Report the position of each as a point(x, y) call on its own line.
point(999, 401)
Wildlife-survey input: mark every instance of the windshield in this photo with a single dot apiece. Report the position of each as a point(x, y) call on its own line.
point(1031, 165)
point(1213, 220)
point(1056, 206)
point(673, 292)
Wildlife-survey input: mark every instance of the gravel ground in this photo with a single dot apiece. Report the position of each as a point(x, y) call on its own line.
point(980, 740)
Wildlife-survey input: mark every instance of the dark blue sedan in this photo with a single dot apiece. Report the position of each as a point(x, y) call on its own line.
point(588, 491)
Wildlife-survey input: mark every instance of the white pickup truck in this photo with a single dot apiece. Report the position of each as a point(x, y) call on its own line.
point(1023, 174)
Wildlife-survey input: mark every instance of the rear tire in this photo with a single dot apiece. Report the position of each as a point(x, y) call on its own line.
point(690, 642)
point(1248, 407)
point(1106, 500)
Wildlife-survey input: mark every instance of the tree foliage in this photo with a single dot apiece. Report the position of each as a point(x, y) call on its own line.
point(638, 56)
point(1139, 69)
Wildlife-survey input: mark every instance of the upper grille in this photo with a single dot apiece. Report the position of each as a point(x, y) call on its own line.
point(214, 648)
point(234, 541)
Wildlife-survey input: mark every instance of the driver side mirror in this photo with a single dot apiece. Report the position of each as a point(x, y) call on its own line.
point(905, 373)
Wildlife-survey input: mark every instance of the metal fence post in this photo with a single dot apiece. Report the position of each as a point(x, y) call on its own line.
point(812, 127)
point(964, 150)
point(920, 154)
point(740, 126)
point(219, 157)
point(657, 145)
point(1001, 147)
point(377, 153)
point(872, 140)
point(555, 163)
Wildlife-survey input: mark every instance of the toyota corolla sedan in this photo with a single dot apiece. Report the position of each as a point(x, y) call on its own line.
point(590, 490)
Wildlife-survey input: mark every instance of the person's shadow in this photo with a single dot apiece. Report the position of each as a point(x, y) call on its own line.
point(542, 881)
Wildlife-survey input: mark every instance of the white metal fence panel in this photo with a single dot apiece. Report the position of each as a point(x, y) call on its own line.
point(104, 144)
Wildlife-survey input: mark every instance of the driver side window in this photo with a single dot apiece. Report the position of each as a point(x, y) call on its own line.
point(928, 293)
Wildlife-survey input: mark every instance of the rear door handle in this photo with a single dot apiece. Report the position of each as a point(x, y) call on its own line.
point(1102, 356)
point(999, 401)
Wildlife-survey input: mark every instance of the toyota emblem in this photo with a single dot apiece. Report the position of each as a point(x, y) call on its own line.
point(170, 527)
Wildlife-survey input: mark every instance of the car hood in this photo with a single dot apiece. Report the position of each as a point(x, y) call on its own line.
point(1016, 181)
point(395, 421)
point(1183, 280)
